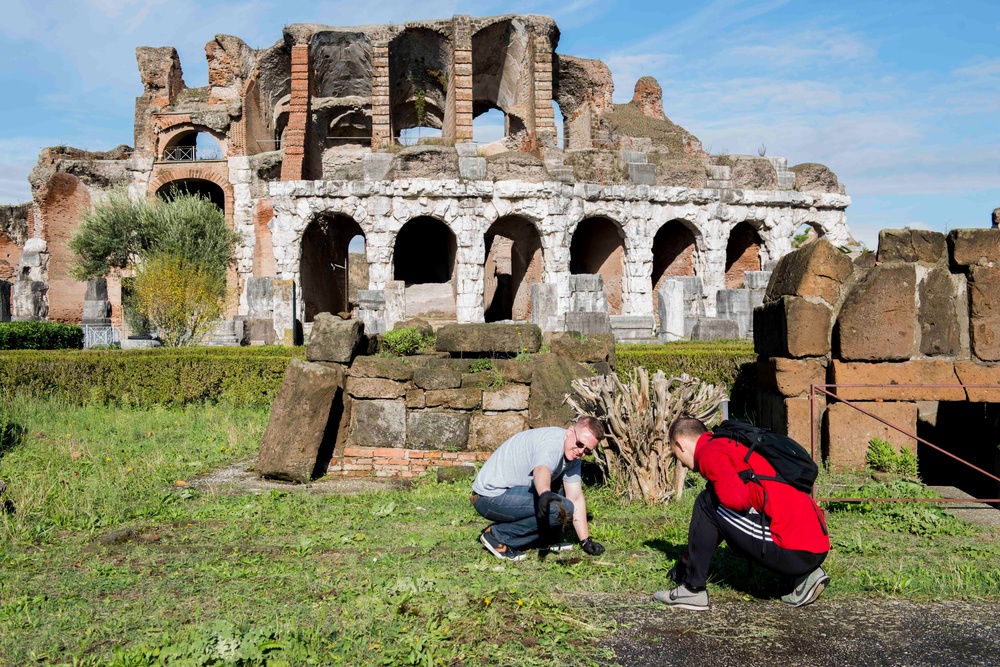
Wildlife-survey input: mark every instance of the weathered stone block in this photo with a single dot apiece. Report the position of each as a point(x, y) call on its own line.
point(376, 388)
point(487, 432)
point(552, 380)
point(515, 371)
point(390, 368)
point(584, 349)
point(790, 377)
point(791, 417)
point(972, 373)
point(984, 312)
point(817, 269)
point(433, 379)
point(913, 372)
point(298, 423)
point(507, 397)
point(415, 399)
point(437, 430)
point(971, 247)
point(489, 338)
point(792, 327)
point(938, 314)
point(706, 328)
point(260, 296)
point(378, 424)
point(334, 339)
point(912, 245)
point(877, 320)
point(470, 398)
point(847, 431)
point(587, 323)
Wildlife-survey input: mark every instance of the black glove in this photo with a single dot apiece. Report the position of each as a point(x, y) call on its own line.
point(545, 531)
point(591, 547)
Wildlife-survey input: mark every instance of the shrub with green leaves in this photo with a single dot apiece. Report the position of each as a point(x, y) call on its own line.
point(401, 342)
point(882, 456)
point(40, 336)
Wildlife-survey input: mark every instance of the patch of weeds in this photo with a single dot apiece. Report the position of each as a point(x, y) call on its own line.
point(481, 365)
point(523, 356)
point(883, 457)
point(916, 518)
point(401, 342)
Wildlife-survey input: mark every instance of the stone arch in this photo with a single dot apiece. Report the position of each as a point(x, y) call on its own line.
point(513, 264)
point(500, 55)
point(324, 264)
point(419, 62)
point(598, 246)
point(184, 134)
point(807, 232)
point(425, 252)
point(674, 247)
point(742, 253)
point(196, 186)
point(189, 172)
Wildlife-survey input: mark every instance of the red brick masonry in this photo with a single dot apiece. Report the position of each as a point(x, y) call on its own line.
point(397, 462)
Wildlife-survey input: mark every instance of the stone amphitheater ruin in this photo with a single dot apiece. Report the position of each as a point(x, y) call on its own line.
point(630, 226)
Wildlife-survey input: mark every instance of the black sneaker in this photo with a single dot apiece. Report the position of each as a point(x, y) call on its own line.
point(498, 549)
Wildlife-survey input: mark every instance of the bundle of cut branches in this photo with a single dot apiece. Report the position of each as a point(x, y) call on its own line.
point(636, 457)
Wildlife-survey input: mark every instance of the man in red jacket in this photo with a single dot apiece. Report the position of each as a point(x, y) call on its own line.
point(768, 521)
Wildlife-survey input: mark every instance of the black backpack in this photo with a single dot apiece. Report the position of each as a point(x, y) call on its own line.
point(790, 460)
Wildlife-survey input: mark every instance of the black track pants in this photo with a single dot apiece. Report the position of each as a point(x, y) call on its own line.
point(711, 523)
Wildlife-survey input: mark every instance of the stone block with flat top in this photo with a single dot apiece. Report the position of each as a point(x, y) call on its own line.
point(877, 320)
point(487, 339)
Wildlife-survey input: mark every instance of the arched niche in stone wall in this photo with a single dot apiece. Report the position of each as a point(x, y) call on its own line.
point(673, 254)
point(419, 61)
point(513, 264)
point(325, 264)
point(742, 253)
point(189, 143)
point(499, 67)
point(598, 246)
point(424, 257)
point(195, 186)
point(806, 233)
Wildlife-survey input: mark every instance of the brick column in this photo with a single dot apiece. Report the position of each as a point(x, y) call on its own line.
point(545, 127)
point(381, 117)
point(458, 105)
point(298, 116)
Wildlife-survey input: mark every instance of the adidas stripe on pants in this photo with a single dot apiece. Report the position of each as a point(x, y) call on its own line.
point(711, 524)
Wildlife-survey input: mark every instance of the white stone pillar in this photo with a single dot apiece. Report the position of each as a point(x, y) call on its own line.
point(710, 261)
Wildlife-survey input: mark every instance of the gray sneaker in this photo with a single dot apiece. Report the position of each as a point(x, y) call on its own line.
point(683, 597)
point(807, 589)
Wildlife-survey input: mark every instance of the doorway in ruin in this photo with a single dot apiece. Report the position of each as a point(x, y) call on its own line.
point(742, 253)
point(190, 146)
point(673, 256)
point(970, 431)
point(419, 62)
point(598, 246)
point(513, 264)
point(806, 234)
point(325, 265)
point(424, 258)
point(195, 186)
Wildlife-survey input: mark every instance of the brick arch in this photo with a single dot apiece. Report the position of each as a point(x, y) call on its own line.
point(742, 251)
point(194, 171)
point(169, 127)
point(598, 245)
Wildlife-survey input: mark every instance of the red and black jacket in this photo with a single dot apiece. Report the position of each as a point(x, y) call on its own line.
point(796, 521)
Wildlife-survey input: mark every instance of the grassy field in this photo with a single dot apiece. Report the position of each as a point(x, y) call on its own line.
point(105, 560)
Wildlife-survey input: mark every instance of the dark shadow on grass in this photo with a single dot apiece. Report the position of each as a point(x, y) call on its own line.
point(11, 434)
point(732, 570)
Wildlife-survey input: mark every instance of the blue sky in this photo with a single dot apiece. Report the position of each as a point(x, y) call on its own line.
point(901, 99)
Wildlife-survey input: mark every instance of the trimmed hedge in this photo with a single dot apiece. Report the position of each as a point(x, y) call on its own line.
point(731, 363)
point(40, 336)
point(142, 378)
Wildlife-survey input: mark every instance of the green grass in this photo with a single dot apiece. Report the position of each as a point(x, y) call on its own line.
point(393, 577)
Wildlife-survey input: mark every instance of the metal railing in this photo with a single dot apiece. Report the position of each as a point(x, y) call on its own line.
point(824, 390)
point(97, 336)
point(190, 154)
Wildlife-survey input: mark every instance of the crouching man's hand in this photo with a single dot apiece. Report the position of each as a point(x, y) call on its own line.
point(542, 508)
point(592, 547)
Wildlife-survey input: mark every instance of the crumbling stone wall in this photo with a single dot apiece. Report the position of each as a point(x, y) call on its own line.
point(927, 313)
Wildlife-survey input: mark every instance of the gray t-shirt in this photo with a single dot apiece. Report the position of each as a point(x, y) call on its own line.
point(511, 464)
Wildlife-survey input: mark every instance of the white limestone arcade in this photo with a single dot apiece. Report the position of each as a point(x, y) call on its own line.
point(555, 210)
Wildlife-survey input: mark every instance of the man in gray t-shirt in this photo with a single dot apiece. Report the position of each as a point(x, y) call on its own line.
point(514, 489)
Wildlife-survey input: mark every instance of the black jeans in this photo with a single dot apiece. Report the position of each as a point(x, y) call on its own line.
point(711, 523)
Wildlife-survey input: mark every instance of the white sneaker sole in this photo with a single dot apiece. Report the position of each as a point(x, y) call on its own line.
point(498, 554)
point(556, 548)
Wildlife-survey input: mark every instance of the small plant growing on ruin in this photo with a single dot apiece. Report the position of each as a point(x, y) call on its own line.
point(637, 414)
point(481, 366)
point(400, 342)
point(883, 457)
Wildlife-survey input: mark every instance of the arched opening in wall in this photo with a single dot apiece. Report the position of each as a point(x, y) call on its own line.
point(190, 146)
point(967, 430)
point(500, 65)
point(489, 126)
point(325, 264)
point(349, 126)
point(806, 234)
point(598, 247)
point(673, 256)
point(513, 265)
point(742, 253)
point(419, 61)
point(560, 121)
point(194, 186)
point(424, 258)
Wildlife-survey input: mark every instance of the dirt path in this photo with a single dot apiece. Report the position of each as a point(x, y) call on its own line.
point(887, 633)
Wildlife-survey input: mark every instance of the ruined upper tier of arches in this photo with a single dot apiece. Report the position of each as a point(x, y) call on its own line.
point(313, 129)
